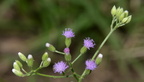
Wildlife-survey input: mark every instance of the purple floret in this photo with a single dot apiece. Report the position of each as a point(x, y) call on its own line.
point(60, 67)
point(89, 43)
point(68, 33)
point(90, 64)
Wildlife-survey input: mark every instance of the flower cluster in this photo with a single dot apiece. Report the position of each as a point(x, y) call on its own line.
point(120, 18)
point(120, 15)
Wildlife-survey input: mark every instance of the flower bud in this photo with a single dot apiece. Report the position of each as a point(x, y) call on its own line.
point(113, 11)
point(67, 57)
point(129, 19)
point(126, 13)
point(19, 63)
point(16, 66)
point(50, 47)
point(99, 59)
point(83, 50)
point(46, 62)
point(66, 51)
point(18, 73)
point(22, 56)
point(30, 60)
point(45, 56)
point(121, 16)
point(68, 42)
point(119, 12)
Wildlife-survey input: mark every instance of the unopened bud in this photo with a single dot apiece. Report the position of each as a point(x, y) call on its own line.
point(22, 56)
point(17, 72)
point(129, 19)
point(83, 50)
point(50, 47)
point(45, 56)
point(99, 59)
point(119, 12)
point(19, 63)
point(30, 60)
point(67, 57)
point(46, 62)
point(16, 66)
point(113, 11)
point(68, 42)
point(121, 16)
point(66, 51)
point(126, 13)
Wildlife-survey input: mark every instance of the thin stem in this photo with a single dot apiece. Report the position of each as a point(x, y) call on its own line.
point(60, 52)
point(72, 70)
point(76, 58)
point(52, 76)
point(111, 31)
point(24, 71)
point(82, 76)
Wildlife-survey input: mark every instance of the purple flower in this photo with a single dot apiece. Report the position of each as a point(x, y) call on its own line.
point(67, 50)
point(90, 64)
point(68, 33)
point(60, 67)
point(89, 43)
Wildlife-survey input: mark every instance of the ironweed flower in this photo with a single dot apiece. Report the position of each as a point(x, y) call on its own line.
point(89, 43)
point(60, 67)
point(90, 64)
point(68, 33)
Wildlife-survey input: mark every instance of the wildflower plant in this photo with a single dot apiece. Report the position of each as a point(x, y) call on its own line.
point(65, 67)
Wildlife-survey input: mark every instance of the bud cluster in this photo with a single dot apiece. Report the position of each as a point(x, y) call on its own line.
point(120, 16)
point(18, 67)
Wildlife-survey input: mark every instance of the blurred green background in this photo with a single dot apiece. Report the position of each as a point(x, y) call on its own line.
point(26, 25)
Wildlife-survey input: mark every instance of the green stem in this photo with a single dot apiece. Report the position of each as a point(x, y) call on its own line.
point(60, 52)
point(52, 76)
point(72, 70)
point(111, 31)
point(82, 76)
point(94, 56)
point(76, 58)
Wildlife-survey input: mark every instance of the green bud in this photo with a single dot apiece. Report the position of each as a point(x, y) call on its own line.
point(50, 47)
point(22, 56)
point(83, 50)
point(67, 57)
point(126, 13)
point(121, 16)
point(46, 62)
point(99, 59)
point(113, 11)
point(119, 12)
point(129, 19)
point(16, 66)
point(30, 60)
point(68, 42)
point(45, 56)
point(18, 73)
point(19, 63)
